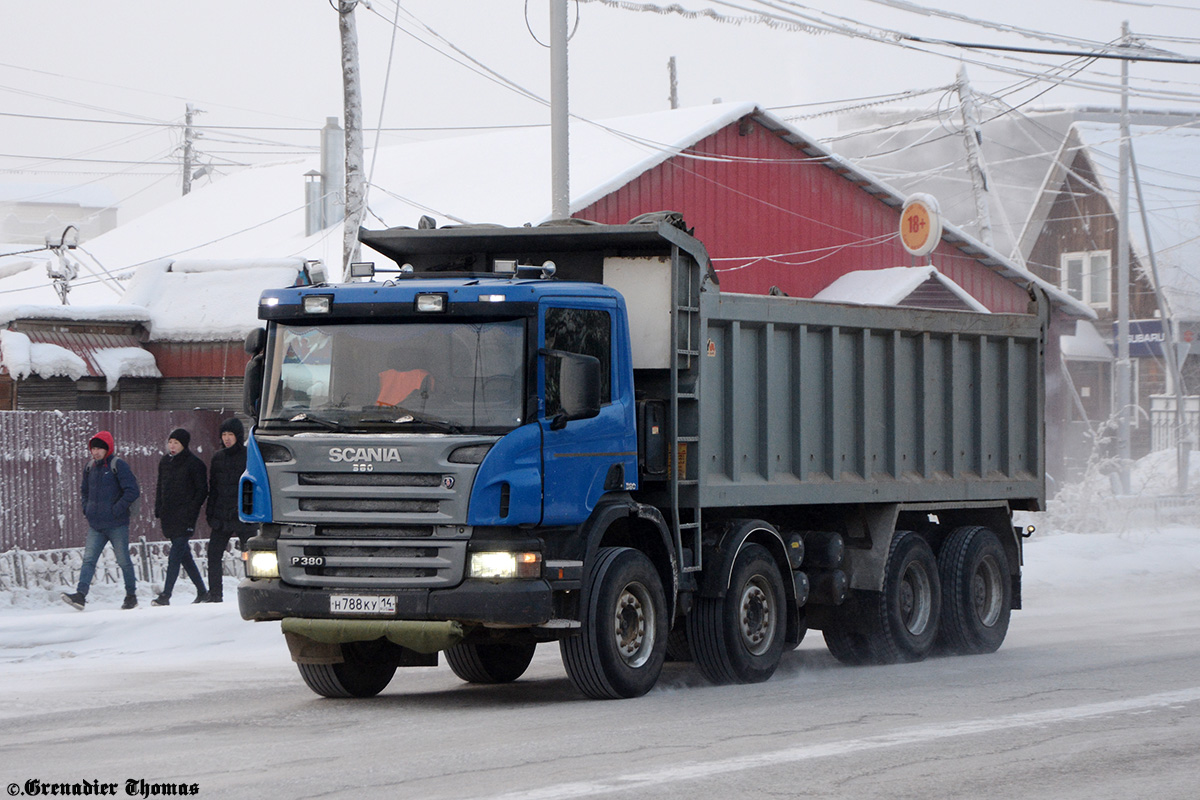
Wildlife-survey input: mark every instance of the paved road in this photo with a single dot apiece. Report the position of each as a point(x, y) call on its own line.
point(1094, 695)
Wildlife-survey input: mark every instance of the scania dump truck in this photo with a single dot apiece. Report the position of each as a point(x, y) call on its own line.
point(519, 436)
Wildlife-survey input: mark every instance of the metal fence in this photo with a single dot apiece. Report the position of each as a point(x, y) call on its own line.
point(1164, 423)
point(42, 456)
point(56, 569)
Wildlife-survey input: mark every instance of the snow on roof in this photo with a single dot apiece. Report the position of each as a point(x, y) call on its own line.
point(120, 362)
point(206, 302)
point(1085, 345)
point(23, 358)
point(499, 177)
point(888, 287)
point(95, 313)
point(1167, 160)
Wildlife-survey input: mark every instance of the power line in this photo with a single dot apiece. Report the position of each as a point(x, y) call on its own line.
point(1052, 52)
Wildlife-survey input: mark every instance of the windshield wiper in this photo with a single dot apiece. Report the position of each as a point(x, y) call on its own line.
point(404, 416)
point(324, 422)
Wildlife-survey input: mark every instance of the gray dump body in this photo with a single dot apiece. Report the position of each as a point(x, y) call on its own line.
point(804, 402)
point(784, 401)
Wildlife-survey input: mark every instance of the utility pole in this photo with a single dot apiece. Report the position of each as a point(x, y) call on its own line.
point(560, 182)
point(973, 134)
point(1123, 377)
point(189, 155)
point(67, 269)
point(674, 83)
point(1174, 375)
point(352, 103)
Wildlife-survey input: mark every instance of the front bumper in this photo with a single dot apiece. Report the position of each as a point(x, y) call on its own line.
point(479, 602)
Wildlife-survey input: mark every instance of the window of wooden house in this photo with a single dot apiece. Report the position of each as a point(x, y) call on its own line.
point(1087, 276)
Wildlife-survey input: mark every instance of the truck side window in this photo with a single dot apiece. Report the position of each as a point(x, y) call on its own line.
point(586, 331)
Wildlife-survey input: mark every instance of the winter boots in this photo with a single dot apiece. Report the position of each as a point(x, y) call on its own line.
point(78, 601)
point(165, 599)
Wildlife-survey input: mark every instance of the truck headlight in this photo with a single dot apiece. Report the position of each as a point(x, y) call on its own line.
point(505, 565)
point(261, 564)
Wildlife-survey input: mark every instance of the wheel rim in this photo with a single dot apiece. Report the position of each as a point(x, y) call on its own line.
point(987, 591)
point(757, 616)
point(633, 625)
point(916, 599)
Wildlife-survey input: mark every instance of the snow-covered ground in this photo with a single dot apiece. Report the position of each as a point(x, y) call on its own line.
point(46, 646)
point(53, 657)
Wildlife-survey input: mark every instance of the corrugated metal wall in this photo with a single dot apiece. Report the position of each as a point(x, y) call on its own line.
point(772, 200)
point(200, 359)
point(42, 456)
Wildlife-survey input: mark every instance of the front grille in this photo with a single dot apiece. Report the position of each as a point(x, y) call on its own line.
point(422, 480)
point(363, 505)
point(351, 563)
point(406, 532)
point(423, 488)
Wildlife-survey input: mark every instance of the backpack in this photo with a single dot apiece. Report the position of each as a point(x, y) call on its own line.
point(135, 507)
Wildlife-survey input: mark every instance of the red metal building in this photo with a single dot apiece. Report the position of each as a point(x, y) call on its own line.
point(776, 209)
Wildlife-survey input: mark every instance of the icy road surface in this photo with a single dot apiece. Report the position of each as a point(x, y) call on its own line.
point(1095, 694)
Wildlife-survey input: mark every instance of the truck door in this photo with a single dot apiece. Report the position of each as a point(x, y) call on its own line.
point(583, 457)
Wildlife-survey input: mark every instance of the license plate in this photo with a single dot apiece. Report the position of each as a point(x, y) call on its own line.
point(362, 604)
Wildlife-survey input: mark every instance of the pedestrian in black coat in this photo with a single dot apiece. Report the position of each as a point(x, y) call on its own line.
point(182, 487)
point(224, 475)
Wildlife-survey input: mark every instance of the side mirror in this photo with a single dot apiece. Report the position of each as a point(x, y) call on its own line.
point(256, 341)
point(578, 386)
point(252, 389)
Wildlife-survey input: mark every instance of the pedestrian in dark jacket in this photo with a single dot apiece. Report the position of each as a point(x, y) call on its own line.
point(107, 491)
point(221, 511)
point(182, 487)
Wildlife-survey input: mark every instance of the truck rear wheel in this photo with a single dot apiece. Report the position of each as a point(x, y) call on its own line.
point(738, 638)
point(976, 592)
point(497, 662)
point(678, 648)
point(363, 673)
point(622, 640)
point(901, 622)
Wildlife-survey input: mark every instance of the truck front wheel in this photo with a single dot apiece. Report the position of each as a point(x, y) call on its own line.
point(364, 672)
point(738, 638)
point(497, 662)
point(976, 592)
point(622, 640)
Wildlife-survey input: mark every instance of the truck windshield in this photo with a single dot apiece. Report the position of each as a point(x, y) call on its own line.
point(445, 376)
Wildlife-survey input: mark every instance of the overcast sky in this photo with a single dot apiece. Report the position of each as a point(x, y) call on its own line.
point(114, 77)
